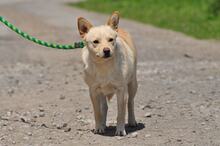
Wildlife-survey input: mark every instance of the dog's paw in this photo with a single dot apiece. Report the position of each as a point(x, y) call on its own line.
point(100, 130)
point(132, 124)
point(120, 133)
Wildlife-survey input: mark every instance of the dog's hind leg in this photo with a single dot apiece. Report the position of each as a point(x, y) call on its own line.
point(132, 89)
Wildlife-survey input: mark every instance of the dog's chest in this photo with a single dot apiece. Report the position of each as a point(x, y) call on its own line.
point(106, 88)
point(106, 83)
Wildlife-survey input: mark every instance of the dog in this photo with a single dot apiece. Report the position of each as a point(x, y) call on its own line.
point(110, 61)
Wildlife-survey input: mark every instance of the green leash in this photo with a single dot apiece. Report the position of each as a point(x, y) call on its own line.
point(40, 42)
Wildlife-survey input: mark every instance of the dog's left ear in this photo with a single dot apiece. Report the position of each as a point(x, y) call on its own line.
point(113, 21)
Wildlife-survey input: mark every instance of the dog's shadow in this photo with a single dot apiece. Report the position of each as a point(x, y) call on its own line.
point(110, 130)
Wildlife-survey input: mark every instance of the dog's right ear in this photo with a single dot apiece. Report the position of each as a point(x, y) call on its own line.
point(113, 21)
point(83, 26)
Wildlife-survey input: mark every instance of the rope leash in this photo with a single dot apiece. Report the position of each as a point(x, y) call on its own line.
point(40, 42)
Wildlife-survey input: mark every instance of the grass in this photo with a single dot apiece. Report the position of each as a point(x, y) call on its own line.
point(192, 17)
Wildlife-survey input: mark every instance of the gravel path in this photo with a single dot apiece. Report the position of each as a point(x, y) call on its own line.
point(44, 101)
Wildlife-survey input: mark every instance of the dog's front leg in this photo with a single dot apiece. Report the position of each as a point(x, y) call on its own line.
point(104, 110)
point(122, 98)
point(96, 102)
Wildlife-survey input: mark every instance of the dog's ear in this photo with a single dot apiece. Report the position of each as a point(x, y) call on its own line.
point(83, 26)
point(113, 20)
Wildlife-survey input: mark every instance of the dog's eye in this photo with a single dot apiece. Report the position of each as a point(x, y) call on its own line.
point(95, 41)
point(111, 39)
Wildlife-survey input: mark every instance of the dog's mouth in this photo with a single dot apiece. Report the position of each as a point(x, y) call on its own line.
point(107, 56)
point(104, 56)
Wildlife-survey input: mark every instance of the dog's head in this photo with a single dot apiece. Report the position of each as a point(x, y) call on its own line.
point(100, 40)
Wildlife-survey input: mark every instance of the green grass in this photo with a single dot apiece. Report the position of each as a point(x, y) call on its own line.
point(192, 17)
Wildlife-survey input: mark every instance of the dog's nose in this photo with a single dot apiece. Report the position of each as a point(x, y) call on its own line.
point(106, 52)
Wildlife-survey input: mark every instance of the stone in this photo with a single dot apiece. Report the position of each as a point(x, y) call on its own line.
point(10, 128)
point(65, 124)
point(78, 110)
point(11, 91)
point(41, 114)
point(134, 134)
point(25, 119)
point(119, 137)
point(26, 138)
point(147, 135)
point(62, 97)
point(148, 115)
point(67, 129)
point(29, 134)
point(192, 92)
point(41, 109)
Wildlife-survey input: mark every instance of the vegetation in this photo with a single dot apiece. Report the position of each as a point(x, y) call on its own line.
point(198, 18)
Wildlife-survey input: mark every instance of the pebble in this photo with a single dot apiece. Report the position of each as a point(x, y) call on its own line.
point(203, 123)
point(25, 119)
point(148, 115)
point(78, 110)
point(9, 113)
point(192, 92)
point(49, 138)
point(26, 138)
point(62, 97)
point(211, 78)
point(35, 115)
point(134, 134)
point(41, 114)
point(41, 109)
point(119, 137)
point(29, 134)
point(167, 93)
point(59, 126)
point(44, 125)
point(65, 124)
point(79, 117)
point(11, 91)
point(187, 56)
point(147, 135)
point(86, 108)
point(143, 107)
point(84, 122)
point(5, 124)
point(67, 129)
point(13, 142)
point(10, 129)
point(41, 75)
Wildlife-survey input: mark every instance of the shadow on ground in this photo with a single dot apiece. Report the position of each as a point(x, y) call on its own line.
point(110, 130)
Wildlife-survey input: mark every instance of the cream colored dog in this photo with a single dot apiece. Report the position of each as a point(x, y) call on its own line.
point(110, 68)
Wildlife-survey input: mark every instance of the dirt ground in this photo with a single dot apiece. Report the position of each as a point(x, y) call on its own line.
point(44, 101)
